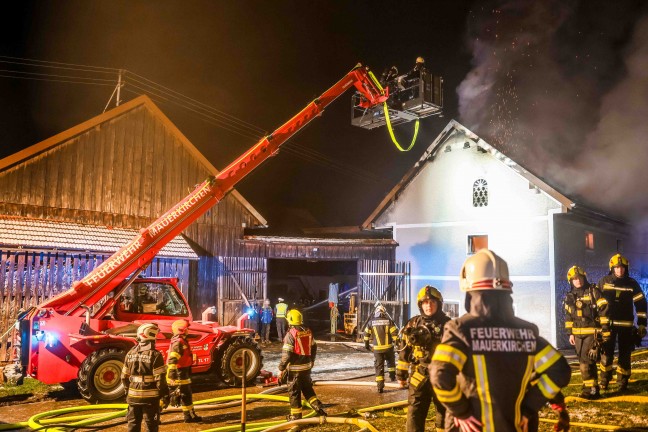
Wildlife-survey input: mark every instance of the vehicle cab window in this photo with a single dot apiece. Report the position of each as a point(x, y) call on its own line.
point(152, 299)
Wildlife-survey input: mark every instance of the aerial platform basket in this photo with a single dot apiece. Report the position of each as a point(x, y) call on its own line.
point(415, 99)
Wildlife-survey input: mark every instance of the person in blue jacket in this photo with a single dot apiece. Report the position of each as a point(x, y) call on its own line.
point(267, 315)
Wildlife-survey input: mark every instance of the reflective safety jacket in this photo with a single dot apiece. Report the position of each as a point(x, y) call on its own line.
point(143, 375)
point(299, 350)
point(493, 368)
point(585, 311)
point(280, 310)
point(179, 360)
point(382, 332)
point(414, 355)
point(622, 294)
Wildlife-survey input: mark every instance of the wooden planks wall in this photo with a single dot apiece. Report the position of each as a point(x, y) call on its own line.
point(124, 172)
point(29, 277)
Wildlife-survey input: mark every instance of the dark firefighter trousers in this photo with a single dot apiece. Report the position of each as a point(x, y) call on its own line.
point(380, 358)
point(588, 369)
point(300, 383)
point(419, 400)
point(282, 328)
point(622, 336)
point(186, 397)
point(149, 412)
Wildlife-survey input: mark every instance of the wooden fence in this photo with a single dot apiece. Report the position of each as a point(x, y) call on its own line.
point(27, 278)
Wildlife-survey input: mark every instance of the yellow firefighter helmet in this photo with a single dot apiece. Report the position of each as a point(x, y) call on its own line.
point(575, 271)
point(618, 260)
point(294, 317)
point(147, 332)
point(428, 292)
point(420, 60)
point(180, 327)
point(485, 270)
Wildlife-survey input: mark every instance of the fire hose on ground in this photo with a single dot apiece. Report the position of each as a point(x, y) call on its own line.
point(43, 421)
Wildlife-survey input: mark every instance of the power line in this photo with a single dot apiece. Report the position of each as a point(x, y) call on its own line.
point(205, 112)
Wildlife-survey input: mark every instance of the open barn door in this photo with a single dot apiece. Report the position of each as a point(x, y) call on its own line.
point(385, 281)
point(242, 280)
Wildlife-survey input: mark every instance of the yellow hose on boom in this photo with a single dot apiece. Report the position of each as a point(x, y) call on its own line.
point(391, 131)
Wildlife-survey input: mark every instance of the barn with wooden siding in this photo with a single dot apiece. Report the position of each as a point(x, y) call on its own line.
point(105, 179)
point(69, 202)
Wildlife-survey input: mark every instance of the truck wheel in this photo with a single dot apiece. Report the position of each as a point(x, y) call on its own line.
point(231, 366)
point(99, 377)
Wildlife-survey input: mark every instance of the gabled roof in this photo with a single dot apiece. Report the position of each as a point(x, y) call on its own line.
point(44, 234)
point(452, 128)
point(58, 139)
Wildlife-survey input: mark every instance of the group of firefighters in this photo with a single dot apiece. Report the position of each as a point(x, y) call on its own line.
point(491, 368)
point(484, 369)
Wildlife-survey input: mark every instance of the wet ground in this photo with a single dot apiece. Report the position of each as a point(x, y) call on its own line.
point(336, 361)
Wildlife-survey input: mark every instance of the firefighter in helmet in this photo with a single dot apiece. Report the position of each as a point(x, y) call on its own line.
point(585, 321)
point(144, 381)
point(179, 363)
point(297, 359)
point(624, 297)
point(493, 369)
point(382, 332)
point(421, 335)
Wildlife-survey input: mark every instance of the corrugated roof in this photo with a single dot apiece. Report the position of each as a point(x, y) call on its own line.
point(44, 234)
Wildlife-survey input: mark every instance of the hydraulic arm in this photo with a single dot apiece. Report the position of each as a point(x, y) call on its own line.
point(138, 253)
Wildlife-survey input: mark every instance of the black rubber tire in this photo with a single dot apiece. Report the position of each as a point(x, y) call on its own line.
point(99, 377)
point(231, 361)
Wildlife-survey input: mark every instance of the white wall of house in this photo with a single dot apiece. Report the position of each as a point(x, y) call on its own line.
point(433, 217)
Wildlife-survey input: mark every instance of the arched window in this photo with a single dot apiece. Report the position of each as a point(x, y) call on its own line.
point(480, 193)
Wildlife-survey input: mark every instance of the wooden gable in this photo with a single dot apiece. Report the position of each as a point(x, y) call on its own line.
point(123, 168)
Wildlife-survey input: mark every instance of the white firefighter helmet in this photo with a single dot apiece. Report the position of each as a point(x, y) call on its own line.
point(147, 332)
point(380, 309)
point(485, 270)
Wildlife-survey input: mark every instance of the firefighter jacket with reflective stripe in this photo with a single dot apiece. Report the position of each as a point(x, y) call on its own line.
point(585, 311)
point(179, 357)
point(299, 350)
point(382, 332)
point(623, 294)
point(143, 375)
point(494, 368)
point(280, 310)
point(421, 335)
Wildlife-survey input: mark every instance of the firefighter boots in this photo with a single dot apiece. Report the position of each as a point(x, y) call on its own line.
point(591, 393)
point(191, 417)
point(392, 376)
point(604, 383)
point(623, 383)
point(381, 386)
point(319, 408)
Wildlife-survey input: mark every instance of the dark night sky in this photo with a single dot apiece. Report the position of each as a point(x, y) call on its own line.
point(538, 81)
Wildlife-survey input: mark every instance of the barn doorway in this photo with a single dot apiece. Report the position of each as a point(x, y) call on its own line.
point(304, 284)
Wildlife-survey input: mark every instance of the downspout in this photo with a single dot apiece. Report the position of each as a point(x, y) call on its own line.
point(552, 273)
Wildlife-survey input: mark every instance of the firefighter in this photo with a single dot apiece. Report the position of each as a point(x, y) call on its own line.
point(179, 363)
point(281, 309)
point(297, 359)
point(585, 320)
point(144, 381)
point(421, 335)
point(622, 294)
point(492, 369)
point(382, 331)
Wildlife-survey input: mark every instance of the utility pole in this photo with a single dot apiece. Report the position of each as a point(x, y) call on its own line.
point(117, 90)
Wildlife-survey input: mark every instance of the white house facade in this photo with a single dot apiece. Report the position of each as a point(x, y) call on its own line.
point(463, 195)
